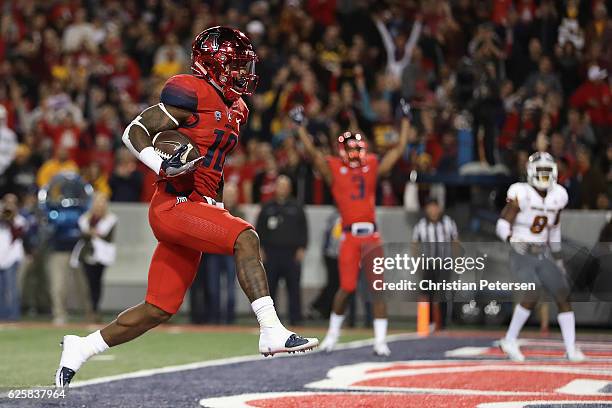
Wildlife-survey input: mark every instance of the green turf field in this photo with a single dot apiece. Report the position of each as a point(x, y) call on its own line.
point(29, 355)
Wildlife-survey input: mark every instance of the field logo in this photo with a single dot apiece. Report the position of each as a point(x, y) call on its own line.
point(436, 383)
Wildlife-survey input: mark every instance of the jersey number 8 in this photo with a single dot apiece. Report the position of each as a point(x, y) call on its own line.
point(539, 223)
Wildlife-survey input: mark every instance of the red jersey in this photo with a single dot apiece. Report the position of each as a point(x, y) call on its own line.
point(214, 127)
point(354, 189)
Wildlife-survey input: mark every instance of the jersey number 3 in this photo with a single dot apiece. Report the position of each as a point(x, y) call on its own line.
point(359, 183)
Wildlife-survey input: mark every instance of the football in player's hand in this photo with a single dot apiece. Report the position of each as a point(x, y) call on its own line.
point(166, 143)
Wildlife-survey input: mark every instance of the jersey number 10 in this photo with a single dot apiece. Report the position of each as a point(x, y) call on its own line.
point(224, 149)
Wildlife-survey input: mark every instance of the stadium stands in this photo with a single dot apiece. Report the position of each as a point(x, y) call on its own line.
point(490, 82)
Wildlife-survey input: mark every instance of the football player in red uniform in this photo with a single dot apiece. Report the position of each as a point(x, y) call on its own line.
point(184, 214)
point(352, 178)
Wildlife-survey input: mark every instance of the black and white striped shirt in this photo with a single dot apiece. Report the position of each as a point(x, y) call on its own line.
point(435, 237)
point(444, 230)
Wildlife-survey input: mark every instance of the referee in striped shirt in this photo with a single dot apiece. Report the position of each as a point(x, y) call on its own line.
point(435, 234)
point(435, 226)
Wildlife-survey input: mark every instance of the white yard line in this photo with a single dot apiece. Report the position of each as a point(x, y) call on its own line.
point(230, 360)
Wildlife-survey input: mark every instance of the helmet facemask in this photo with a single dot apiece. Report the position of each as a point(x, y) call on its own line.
point(542, 172)
point(243, 79)
point(352, 149)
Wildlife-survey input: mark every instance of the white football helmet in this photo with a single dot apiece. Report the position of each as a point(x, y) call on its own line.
point(542, 171)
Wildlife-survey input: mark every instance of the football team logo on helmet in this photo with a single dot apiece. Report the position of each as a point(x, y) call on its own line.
point(352, 149)
point(213, 40)
point(226, 58)
point(542, 171)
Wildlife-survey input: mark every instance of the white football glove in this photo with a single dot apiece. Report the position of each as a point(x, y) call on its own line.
point(174, 166)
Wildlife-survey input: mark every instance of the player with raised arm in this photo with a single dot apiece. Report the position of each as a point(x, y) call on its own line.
point(352, 178)
point(530, 222)
point(185, 218)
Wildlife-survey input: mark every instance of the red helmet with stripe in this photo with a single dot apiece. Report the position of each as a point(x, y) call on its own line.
point(352, 149)
point(225, 56)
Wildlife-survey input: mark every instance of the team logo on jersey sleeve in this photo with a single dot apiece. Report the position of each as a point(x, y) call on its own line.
point(218, 115)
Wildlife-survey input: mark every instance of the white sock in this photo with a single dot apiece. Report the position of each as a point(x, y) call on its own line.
point(519, 317)
point(567, 323)
point(335, 324)
point(96, 342)
point(77, 349)
point(266, 313)
point(380, 330)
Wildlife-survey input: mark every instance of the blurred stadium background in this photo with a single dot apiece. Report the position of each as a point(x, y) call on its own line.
point(490, 82)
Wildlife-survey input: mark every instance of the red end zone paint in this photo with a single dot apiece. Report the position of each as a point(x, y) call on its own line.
point(382, 400)
point(444, 383)
point(363, 400)
point(499, 375)
point(489, 380)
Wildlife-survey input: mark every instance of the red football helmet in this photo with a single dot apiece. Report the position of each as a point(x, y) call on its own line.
point(225, 56)
point(352, 149)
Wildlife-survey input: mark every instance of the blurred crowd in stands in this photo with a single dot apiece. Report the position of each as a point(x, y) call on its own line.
point(490, 82)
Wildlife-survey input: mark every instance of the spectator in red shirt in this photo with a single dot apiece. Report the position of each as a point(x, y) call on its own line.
point(106, 123)
point(256, 154)
point(594, 97)
point(66, 133)
point(236, 172)
point(126, 75)
point(264, 185)
point(103, 154)
point(323, 11)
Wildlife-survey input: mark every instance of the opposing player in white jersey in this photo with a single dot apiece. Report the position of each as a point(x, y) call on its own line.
point(530, 221)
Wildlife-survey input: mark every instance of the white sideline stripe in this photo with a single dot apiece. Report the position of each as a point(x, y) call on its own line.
point(589, 345)
point(229, 360)
point(466, 352)
point(164, 370)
